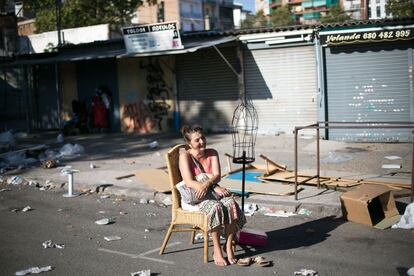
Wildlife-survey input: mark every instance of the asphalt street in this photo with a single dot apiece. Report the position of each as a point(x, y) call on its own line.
point(328, 245)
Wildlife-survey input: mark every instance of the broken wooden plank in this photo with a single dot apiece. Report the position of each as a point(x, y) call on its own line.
point(124, 176)
point(269, 188)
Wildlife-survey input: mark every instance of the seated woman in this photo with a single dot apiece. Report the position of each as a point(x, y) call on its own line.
point(222, 210)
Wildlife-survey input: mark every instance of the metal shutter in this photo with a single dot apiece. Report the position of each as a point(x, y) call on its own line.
point(207, 88)
point(367, 84)
point(282, 84)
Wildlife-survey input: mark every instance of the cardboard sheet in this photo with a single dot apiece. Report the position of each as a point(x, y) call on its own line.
point(268, 188)
point(155, 179)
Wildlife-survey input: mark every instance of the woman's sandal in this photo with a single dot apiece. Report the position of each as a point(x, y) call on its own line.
point(261, 261)
point(245, 261)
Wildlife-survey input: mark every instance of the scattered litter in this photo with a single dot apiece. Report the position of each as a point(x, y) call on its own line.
point(304, 212)
point(48, 164)
point(158, 153)
point(393, 157)
point(146, 230)
point(167, 201)
point(141, 273)
point(407, 220)
point(410, 272)
point(105, 221)
point(281, 214)
point(105, 196)
point(143, 201)
point(151, 201)
point(33, 270)
point(306, 272)
point(129, 180)
point(33, 183)
point(153, 145)
point(59, 210)
point(250, 209)
point(50, 244)
point(112, 238)
point(26, 209)
point(101, 212)
point(15, 180)
point(60, 138)
point(14, 210)
point(334, 157)
point(391, 166)
point(92, 166)
point(71, 150)
point(4, 190)
point(18, 159)
point(151, 214)
point(123, 213)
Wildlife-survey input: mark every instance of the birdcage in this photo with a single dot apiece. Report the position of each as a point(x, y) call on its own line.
point(244, 131)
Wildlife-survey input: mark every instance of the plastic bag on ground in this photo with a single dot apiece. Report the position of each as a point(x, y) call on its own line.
point(33, 270)
point(7, 138)
point(70, 150)
point(407, 220)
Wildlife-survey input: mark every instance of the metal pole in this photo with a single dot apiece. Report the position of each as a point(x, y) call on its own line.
point(412, 168)
point(244, 175)
point(318, 168)
point(58, 22)
point(296, 163)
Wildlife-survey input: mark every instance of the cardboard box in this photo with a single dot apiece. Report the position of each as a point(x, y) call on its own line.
point(372, 205)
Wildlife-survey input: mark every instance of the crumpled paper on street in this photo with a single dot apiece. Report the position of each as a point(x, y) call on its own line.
point(50, 244)
point(306, 272)
point(33, 270)
point(141, 273)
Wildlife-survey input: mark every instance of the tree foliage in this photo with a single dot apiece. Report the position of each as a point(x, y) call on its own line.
point(282, 17)
point(336, 15)
point(80, 13)
point(255, 21)
point(400, 8)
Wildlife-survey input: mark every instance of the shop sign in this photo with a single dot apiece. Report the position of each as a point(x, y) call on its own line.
point(366, 36)
point(152, 37)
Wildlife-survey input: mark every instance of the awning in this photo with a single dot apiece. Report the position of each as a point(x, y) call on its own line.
point(96, 53)
point(189, 47)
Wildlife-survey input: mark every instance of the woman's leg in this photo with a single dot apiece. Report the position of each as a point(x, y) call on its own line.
point(230, 229)
point(218, 255)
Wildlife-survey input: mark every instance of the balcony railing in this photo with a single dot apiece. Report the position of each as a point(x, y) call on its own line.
point(314, 3)
point(312, 15)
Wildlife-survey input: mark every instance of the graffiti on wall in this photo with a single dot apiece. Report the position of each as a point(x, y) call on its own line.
point(157, 91)
point(139, 118)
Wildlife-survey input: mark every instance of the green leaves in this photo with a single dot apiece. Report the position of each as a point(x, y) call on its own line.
point(80, 13)
point(400, 8)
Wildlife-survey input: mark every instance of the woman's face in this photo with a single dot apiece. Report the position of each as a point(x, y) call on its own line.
point(198, 141)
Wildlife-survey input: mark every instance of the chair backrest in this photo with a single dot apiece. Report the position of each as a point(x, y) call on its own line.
point(174, 173)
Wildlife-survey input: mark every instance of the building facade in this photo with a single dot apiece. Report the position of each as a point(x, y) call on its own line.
point(193, 15)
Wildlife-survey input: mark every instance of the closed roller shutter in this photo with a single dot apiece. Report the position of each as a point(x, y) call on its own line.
point(282, 84)
point(369, 84)
point(207, 88)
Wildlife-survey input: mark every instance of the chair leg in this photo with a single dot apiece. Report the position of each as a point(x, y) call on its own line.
point(205, 232)
point(166, 238)
point(193, 236)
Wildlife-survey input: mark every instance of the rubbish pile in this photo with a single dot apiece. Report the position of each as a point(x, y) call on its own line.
point(16, 157)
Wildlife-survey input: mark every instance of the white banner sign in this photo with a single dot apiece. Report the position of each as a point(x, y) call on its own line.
point(153, 37)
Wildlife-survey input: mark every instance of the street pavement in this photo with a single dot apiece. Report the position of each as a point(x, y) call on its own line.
point(328, 245)
point(116, 154)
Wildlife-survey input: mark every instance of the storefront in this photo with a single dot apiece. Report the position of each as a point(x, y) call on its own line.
point(280, 78)
point(369, 78)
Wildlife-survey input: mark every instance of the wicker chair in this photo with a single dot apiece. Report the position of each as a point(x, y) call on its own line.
point(180, 217)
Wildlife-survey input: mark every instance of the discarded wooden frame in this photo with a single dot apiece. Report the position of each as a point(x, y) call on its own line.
point(348, 125)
